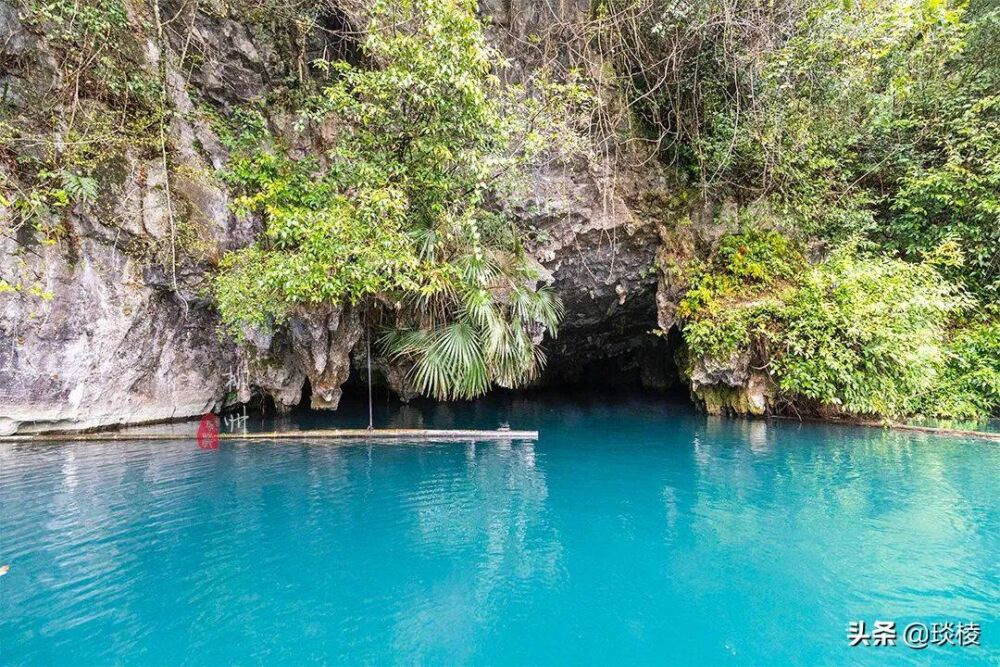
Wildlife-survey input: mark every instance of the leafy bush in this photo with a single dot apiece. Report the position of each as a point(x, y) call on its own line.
point(727, 304)
point(399, 211)
point(877, 118)
point(865, 333)
point(968, 387)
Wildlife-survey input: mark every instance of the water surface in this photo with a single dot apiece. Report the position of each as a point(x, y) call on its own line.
point(632, 532)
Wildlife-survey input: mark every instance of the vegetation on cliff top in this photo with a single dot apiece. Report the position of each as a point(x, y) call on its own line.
point(869, 134)
point(859, 142)
point(398, 217)
point(864, 137)
point(878, 118)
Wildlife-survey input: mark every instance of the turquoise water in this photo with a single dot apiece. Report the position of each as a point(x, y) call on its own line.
point(632, 532)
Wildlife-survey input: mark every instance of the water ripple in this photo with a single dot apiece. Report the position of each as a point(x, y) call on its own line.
point(629, 533)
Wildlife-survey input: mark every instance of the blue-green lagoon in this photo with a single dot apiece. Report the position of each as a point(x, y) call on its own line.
point(632, 532)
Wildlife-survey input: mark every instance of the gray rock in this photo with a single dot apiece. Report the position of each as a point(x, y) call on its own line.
point(93, 347)
point(128, 336)
point(322, 340)
point(14, 42)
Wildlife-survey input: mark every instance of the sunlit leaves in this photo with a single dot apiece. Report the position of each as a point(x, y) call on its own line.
point(863, 332)
point(878, 118)
point(487, 342)
point(80, 189)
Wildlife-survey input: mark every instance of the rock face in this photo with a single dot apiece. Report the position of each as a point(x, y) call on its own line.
point(314, 346)
point(103, 349)
point(601, 257)
point(107, 322)
point(733, 387)
point(92, 331)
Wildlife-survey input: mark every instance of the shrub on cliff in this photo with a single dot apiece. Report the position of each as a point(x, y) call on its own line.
point(878, 118)
point(731, 298)
point(398, 214)
point(968, 386)
point(862, 332)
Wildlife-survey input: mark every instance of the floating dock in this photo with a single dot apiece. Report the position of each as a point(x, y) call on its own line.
point(378, 434)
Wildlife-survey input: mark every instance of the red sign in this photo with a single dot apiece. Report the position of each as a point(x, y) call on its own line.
point(208, 432)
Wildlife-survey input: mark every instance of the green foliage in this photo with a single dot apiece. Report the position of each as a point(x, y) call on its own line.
point(866, 333)
point(718, 321)
point(730, 330)
point(80, 189)
point(21, 281)
point(879, 118)
point(400, 209)
point(103, 57)
point(968, 387)
point(487, 343)
point(758, 257)
point(58, 139)
point(743, 262)
point(76, 23)
point(863, 333)
point(320, 247)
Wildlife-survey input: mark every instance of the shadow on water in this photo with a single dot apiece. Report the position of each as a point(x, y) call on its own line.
point(522, 409)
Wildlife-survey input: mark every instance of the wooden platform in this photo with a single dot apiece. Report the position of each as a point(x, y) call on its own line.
point(378, 434)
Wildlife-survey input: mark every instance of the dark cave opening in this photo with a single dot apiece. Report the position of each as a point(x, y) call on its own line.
point(607, 358)
point(637, 363)
point(639, 366)
point(334, 39)
point(647, 373)
point(596, 359)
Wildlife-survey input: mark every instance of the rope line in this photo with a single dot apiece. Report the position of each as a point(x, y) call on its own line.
point(368, 345)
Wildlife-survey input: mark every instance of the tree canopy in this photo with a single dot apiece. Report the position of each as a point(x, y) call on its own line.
point(396, 214)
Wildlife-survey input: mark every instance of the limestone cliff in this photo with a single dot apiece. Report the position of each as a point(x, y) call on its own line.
point(104, 310)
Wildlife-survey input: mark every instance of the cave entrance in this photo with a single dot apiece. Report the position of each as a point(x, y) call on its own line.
point(638, 363)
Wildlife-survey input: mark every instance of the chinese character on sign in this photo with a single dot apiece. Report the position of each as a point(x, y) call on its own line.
point(208, 432)
point(943, 633)
point(234, 421)
point(884, 633)
point(856, 634)
point(968, 634)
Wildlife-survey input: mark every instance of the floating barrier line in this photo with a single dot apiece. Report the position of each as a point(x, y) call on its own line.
point(318, 434)
point(897, 426)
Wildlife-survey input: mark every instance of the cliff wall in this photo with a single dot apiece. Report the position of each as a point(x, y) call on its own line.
point(105, 316)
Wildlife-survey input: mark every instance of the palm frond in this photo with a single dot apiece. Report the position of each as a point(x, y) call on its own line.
point(478, 308)
point(396, 343)
point(477, 268)
point(548, 309)
point(427, 240)
point(451, 363)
